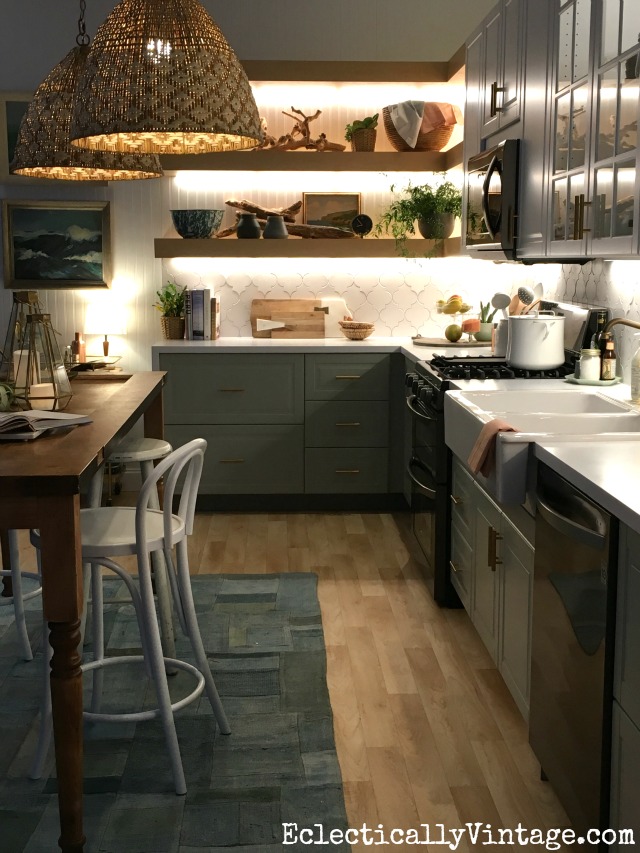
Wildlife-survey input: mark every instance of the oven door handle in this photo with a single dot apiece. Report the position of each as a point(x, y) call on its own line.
point(410, 403)
point(414, 461)
point(569, 528)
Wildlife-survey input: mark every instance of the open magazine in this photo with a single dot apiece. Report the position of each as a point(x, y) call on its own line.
point(33, 422)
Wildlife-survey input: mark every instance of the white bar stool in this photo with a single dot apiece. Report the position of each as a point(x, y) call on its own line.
point(109, 532)
point(11, 552)
point(146, 452)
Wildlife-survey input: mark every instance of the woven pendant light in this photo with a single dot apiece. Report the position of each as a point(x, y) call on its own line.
point(43, 148)
point(160, 77)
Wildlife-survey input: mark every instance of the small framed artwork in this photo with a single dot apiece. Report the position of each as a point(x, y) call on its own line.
point(13, 106)
point(335, 209)
point(56, 245)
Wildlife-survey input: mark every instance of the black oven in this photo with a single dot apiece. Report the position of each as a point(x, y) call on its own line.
point(429, 469)
point(491, 202)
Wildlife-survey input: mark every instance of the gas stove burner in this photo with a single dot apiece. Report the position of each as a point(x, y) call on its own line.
point(491, 367)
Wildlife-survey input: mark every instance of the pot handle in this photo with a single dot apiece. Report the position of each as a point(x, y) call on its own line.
point(545, 329)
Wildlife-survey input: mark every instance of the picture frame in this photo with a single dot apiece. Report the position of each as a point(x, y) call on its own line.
point(334, 209)
point(13, 106)
point(56, 245)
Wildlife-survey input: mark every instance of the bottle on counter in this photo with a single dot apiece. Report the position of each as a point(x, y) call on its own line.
point(635, 375)
point(601, 322)
point(608, 364)
point(78, 349)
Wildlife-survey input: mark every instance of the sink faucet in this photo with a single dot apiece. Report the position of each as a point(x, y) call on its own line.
point(622, 321)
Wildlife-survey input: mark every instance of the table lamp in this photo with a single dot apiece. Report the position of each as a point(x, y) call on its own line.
point(104, 317)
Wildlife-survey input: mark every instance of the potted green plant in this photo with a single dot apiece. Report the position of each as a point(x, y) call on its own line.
point(171, 305)
point(361, 133)
point(433, 207)
point(485, 316)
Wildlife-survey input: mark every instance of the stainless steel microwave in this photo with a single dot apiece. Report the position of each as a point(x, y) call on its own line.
point(491, 190)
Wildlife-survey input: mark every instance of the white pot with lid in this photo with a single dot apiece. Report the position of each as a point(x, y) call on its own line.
point(536, 341)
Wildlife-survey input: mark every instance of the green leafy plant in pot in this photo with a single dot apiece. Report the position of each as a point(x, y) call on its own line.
point(171, 305)
point(362, 133)
point(485, 316)
point(433, 207)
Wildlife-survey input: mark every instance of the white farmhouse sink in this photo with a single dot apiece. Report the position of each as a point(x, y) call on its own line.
point(535, 414)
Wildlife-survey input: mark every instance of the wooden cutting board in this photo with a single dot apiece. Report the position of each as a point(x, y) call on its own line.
point(300, 317)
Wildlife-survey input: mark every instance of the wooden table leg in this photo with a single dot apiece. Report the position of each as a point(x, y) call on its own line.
point(62, 602)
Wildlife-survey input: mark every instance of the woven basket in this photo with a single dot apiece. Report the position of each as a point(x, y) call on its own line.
point(356, 331)
point(173, 327)
point(434, 140)
point(364, 139)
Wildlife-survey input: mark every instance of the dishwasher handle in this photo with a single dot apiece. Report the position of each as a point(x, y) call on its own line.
point(573, 530)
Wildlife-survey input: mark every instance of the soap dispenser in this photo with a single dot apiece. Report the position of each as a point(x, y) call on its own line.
point(635, 375)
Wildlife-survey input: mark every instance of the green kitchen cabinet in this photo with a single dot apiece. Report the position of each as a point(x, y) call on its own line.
point(353, 377)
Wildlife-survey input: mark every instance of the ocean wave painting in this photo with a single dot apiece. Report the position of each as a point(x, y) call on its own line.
point(62, 246)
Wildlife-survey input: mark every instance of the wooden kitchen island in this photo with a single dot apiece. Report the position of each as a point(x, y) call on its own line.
point(40, 485)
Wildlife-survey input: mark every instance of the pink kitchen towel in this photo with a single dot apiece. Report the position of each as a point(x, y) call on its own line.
point(482, 458)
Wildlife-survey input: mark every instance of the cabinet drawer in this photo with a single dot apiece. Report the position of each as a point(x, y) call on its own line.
point(334, 377)
point(461, 564)
point(462, 497)
point(244, 459)
point(346, 471)
point(346, 423)
point(233, 389)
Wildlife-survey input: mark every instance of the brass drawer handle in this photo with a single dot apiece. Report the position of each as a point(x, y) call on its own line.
point(349, 424)
point(231, 390)
point(346, 376)
point(456, 501)
point(230, 461)
point(347, 470)
point(492, 549)
point(453, 567)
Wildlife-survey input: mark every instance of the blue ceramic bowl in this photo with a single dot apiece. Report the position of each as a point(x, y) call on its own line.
point(196, 223)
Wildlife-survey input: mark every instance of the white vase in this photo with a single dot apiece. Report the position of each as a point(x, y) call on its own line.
point(485, 332)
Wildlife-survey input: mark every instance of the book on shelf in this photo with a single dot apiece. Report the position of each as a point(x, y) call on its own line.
point(33, 422)
point(214, 318)
point(199, 327)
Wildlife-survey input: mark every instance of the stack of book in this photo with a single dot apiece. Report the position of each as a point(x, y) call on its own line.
point(202, 314)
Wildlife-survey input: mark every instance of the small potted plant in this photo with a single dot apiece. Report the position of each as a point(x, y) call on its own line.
point(433, 207)
point(362, 133)
point(171, 304)
point(485, 316)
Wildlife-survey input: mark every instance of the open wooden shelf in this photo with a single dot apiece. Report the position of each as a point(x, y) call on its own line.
point(304, 71)
point(231, 247)
point(315, 161)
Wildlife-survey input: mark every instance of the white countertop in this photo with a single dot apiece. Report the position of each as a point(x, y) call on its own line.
point(311, 345)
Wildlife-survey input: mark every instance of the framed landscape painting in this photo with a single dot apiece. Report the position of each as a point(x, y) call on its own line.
point(56, 244)
point(335, 209)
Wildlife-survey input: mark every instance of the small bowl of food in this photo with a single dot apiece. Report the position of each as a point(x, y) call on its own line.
point(196, 224)
point(356, 331)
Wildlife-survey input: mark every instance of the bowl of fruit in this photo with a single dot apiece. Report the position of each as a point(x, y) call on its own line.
point(453, 305)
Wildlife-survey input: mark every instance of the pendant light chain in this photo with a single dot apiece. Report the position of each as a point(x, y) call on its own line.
point(82, 38)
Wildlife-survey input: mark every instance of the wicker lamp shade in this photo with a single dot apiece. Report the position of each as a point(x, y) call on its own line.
point(43, 148)
point(160, 77)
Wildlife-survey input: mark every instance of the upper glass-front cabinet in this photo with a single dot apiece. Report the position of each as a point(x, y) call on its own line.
point(594, 176)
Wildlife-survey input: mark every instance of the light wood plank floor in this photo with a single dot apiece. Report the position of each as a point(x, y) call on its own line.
point(426, 730)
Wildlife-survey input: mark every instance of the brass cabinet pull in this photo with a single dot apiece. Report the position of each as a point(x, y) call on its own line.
point(347, 376)
point(231, 390)
point(578, 217)
point(492, 549)
point(349, 424)
point(494, 109)
point(230, 461)
point(453, 566)
point(347, 470)
point(456, 501)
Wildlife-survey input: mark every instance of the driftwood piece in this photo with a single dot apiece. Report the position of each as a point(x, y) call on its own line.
point(309, 232)
point(299, 136)
point(288, 213)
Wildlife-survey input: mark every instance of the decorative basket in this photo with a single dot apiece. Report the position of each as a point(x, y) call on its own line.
point(356, 331)
point(364, 139)
point(434, 140)
point(173, 327)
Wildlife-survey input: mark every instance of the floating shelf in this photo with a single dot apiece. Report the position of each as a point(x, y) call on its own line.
point(356, 72)
point(316, 161)
point(231, 247)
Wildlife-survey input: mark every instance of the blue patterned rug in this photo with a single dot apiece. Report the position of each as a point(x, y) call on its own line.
point(263, 635)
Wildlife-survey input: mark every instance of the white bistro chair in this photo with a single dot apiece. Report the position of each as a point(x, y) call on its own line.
point(18, 597)
point(109, 532)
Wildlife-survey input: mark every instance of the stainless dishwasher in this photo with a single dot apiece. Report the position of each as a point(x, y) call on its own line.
point(574, 592)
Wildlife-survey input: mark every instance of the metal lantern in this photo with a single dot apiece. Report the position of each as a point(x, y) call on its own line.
point(39, 376)
point(25, 302)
